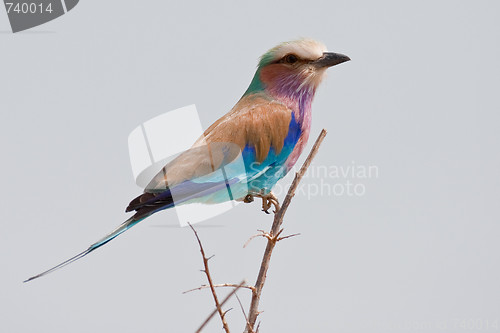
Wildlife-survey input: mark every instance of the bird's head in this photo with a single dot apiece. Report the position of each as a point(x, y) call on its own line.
point(293, 69)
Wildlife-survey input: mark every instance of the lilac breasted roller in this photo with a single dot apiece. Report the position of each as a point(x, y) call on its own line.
point(265, 131)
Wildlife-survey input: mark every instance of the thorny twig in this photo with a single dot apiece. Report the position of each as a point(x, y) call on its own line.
point(273, 235)
point(250, 329)
point(209, 278)
point(267, 235)
point(272, 238)
point(221, 304)
point(232, 285)
point(288, 236)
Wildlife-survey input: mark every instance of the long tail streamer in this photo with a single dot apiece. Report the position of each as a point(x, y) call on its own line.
point(121, 228)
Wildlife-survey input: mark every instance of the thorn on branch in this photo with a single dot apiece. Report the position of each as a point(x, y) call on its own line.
point(209, 278)
point(232, 285)
point(268, 235)
point(233, 292)
point(289, 236)
point(277, 230)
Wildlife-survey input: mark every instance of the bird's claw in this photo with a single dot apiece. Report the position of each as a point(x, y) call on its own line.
point(266, 205)
point(268, 200)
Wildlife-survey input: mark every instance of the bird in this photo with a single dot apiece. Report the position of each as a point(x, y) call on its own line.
point(265, 132)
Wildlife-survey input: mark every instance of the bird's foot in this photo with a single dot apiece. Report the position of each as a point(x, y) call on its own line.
point(268, 200)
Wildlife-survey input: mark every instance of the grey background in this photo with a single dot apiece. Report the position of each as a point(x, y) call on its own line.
point(419, 100)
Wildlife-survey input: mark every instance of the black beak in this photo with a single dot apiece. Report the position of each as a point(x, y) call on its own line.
point(330, 59)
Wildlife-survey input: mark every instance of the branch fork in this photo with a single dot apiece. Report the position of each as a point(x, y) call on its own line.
point(273, 236)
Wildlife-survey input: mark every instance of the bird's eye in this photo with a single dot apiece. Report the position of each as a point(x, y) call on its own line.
point(291, 58)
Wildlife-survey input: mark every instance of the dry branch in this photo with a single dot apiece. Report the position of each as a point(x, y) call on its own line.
point(274, 235)
point(221, 285)
point(250, 329)
point(272, 238)
point(209, 278)
point(233, 292)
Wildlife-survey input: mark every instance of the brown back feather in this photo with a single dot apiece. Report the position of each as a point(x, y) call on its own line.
point(255, 120)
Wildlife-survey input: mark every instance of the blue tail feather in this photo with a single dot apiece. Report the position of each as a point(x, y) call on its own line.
point(122, 228)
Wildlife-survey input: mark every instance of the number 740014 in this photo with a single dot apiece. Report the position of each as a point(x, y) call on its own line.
point(28, 8)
